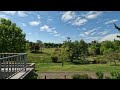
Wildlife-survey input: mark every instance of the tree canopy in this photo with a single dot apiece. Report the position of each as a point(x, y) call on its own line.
point(12, 39)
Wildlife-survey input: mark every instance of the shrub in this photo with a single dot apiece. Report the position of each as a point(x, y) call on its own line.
point(99, 60)
point(99, 75)
point(84, 76)
point(107, 77)
point(54, 59)
point(115, 75)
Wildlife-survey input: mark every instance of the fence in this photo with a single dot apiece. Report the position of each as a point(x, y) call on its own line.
point(12, 63)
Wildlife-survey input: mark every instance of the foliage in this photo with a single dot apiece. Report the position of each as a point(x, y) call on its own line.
point(32, 75)
point(35, 48)
point(115, 75)
point(12, 39)
point(76, 50)
point(107, 77)
point(99, 60)
point(100, 75)
point(113, 57)
point(54, 59)
point(84, 76)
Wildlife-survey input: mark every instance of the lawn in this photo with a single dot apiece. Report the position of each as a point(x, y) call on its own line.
point(44, 64)
point(53, 67)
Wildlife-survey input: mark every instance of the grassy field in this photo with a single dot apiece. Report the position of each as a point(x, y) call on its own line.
point(44, 64)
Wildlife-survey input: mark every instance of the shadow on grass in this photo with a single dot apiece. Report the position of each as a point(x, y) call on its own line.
point(115, 65)
point(39, 52)
point(78, 62)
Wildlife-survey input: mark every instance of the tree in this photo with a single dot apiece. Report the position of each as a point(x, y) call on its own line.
point(113, 57)
point(12, 39)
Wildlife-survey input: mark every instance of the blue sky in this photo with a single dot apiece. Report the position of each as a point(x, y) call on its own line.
point(56, 26)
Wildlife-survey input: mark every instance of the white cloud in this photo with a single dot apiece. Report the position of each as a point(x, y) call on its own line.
point(50, 30)
point(8, 12)
point(68, 15)
point(79, 21)
point(72, 18)
point(46, 28)
point(93, 33)
point(22, 13)
point(90, 32)
point(83, 35)
point(110, 37)
point(55, 32)
point(4, 16)
point(57, 35)
point(93, 38)
point(38, 16)
point(84, 29)
point(111, 21)
point(29, 33)
point(34, 23)
point(23, 24)
point(49, 19)
point(93, 14)
point(104, 32)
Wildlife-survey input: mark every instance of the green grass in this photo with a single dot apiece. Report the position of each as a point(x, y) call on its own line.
point(51, 67)
point(44, 57)
point(44, 64)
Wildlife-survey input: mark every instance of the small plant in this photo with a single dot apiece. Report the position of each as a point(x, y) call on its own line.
point(115, 75)
point(107, 77)
point(76, 76)
point(99, 75)
point(84, 76)
point(54, 59)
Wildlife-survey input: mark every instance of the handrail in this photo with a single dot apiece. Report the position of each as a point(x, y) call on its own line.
point(10, 65)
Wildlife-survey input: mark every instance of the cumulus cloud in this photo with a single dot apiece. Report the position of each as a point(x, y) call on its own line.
point(46, 28)
point(111, 21)
point(68, 15)
point(22, 13)
point(8, 12)
point(56, 35)
point(104, 32)
point(73, 18)
point(89, 32)
point(34, 23)
point(50, 30)
point(4, 16)
point(110, 37)
point(29, 33)
point(93, 14)
point(79, 21)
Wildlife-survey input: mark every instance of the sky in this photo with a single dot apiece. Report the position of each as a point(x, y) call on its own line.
point(56, 26)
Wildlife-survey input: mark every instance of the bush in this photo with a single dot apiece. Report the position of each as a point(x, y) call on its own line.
point(115, 75)
point(32, 75)
point(99, 60)
point(106, 77)
point(99, 75)
point(84, 76)
point(54, 59)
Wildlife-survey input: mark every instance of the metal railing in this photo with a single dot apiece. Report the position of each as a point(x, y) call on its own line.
point(12, 63)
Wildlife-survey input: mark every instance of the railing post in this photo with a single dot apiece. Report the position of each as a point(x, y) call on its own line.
point(0, 65)
point(25, 61)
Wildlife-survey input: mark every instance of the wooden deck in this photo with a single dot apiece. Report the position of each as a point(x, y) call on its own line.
point(22, 74)
point(14, 66)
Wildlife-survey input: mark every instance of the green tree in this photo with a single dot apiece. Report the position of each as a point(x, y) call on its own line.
point(12, 39)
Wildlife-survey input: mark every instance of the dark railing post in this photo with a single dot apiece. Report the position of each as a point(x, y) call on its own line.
point(25, 60)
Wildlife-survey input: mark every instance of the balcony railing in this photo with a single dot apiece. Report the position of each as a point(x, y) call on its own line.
point(12, 63)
